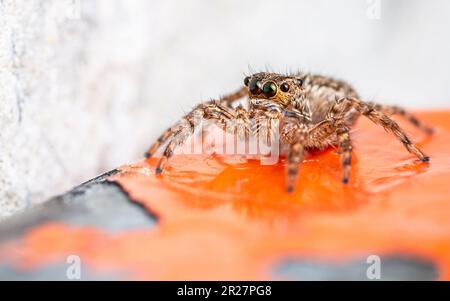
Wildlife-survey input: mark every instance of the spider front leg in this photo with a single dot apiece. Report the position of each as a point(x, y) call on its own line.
point(225, 101)
point(233, 121)
point(187, 124)
point(160, 141)
point(368, 110)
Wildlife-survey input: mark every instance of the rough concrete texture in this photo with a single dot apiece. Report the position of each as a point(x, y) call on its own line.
point(86, 85)
point(68, 91)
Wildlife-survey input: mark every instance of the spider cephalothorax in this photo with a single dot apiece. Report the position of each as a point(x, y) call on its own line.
point(283, 90)
point(314, 112)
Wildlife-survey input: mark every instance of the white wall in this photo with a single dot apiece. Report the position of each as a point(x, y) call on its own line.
point(84, 89)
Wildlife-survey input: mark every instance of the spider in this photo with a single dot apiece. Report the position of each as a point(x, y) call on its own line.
point(314, 112)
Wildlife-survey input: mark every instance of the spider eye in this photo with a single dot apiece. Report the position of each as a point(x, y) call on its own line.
point(284, 87)
point(299, 82)
point(270, 89)
point(246, 81)
point(253, 87)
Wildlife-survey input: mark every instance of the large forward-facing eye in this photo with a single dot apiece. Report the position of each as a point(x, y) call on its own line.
point(270, 89)
point(253, 87)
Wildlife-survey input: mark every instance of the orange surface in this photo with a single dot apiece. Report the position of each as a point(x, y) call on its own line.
point(220, 219)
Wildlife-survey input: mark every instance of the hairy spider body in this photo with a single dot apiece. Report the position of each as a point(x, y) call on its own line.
point(314, 112)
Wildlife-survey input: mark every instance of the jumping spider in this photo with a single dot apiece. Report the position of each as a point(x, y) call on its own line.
point(314, 112)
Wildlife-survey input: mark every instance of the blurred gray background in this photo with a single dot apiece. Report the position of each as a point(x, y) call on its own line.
point(87, 85)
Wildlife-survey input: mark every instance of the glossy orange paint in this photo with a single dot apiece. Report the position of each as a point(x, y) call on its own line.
point(220, 218)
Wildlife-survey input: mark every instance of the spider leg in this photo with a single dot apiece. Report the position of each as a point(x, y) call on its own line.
point(229, 99)
point(320, 133)
point(345, 145)
point(377, 117)
point(185, 124)
point(321, 136)
point(239, 124)
point(395, 110)
point(233, 121)
point(160, 141)
point(265, 122)
point(266, 113)
point(296, 136)
point(226, 101)
point(183, 132)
